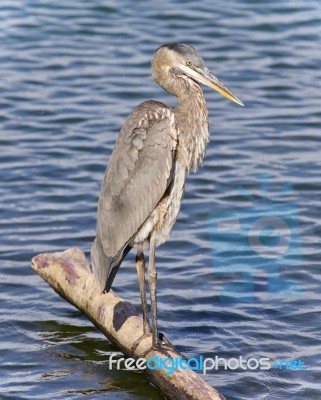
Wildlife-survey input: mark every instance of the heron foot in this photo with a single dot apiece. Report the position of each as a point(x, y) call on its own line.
point(162, 346)
point(139, 340)
point(165, 344)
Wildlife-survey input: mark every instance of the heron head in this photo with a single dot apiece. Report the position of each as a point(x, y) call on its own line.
point(185, 58)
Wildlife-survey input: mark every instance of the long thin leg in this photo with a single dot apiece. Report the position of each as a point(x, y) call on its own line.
point(140, 266)
point(152, 278)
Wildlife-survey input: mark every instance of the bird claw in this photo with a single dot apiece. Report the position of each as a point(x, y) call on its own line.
point(165, 345)
point(164, 341)
point(139, 340)
point(162, 345)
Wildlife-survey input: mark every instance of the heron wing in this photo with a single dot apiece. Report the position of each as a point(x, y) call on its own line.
point(139, 171)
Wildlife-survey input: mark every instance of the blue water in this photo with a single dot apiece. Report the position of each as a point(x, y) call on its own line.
point(70, 74)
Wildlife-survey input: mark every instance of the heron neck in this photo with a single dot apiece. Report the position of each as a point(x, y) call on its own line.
point(191, 113)
point(192, 121)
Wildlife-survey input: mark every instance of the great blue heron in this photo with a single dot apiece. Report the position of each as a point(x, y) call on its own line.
point(143, 185)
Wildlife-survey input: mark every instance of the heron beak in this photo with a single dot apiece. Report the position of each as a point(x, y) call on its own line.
point(210, 80)
point(206, 77)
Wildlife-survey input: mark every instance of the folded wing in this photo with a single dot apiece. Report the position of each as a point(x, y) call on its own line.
point(139, 171)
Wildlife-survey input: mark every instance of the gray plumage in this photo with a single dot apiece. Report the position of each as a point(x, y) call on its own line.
point(144, 182)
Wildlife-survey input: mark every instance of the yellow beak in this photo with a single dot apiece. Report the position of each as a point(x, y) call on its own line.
point(207, 78)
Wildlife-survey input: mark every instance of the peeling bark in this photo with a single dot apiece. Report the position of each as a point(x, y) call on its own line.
point(69, 274)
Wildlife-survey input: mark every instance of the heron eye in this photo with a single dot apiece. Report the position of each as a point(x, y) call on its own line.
point(189, 63)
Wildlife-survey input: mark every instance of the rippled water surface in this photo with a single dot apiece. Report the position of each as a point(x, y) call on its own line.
point(70, 74)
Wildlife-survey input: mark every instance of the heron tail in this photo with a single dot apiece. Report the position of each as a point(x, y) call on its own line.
point(105, 268)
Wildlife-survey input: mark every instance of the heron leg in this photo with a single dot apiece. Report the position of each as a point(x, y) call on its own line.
point(140, 266)
point(152, 278)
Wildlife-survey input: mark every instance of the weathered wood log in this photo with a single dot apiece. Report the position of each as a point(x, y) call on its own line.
point(69, 274)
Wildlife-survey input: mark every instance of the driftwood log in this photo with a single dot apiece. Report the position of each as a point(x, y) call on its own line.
point(69, 274)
